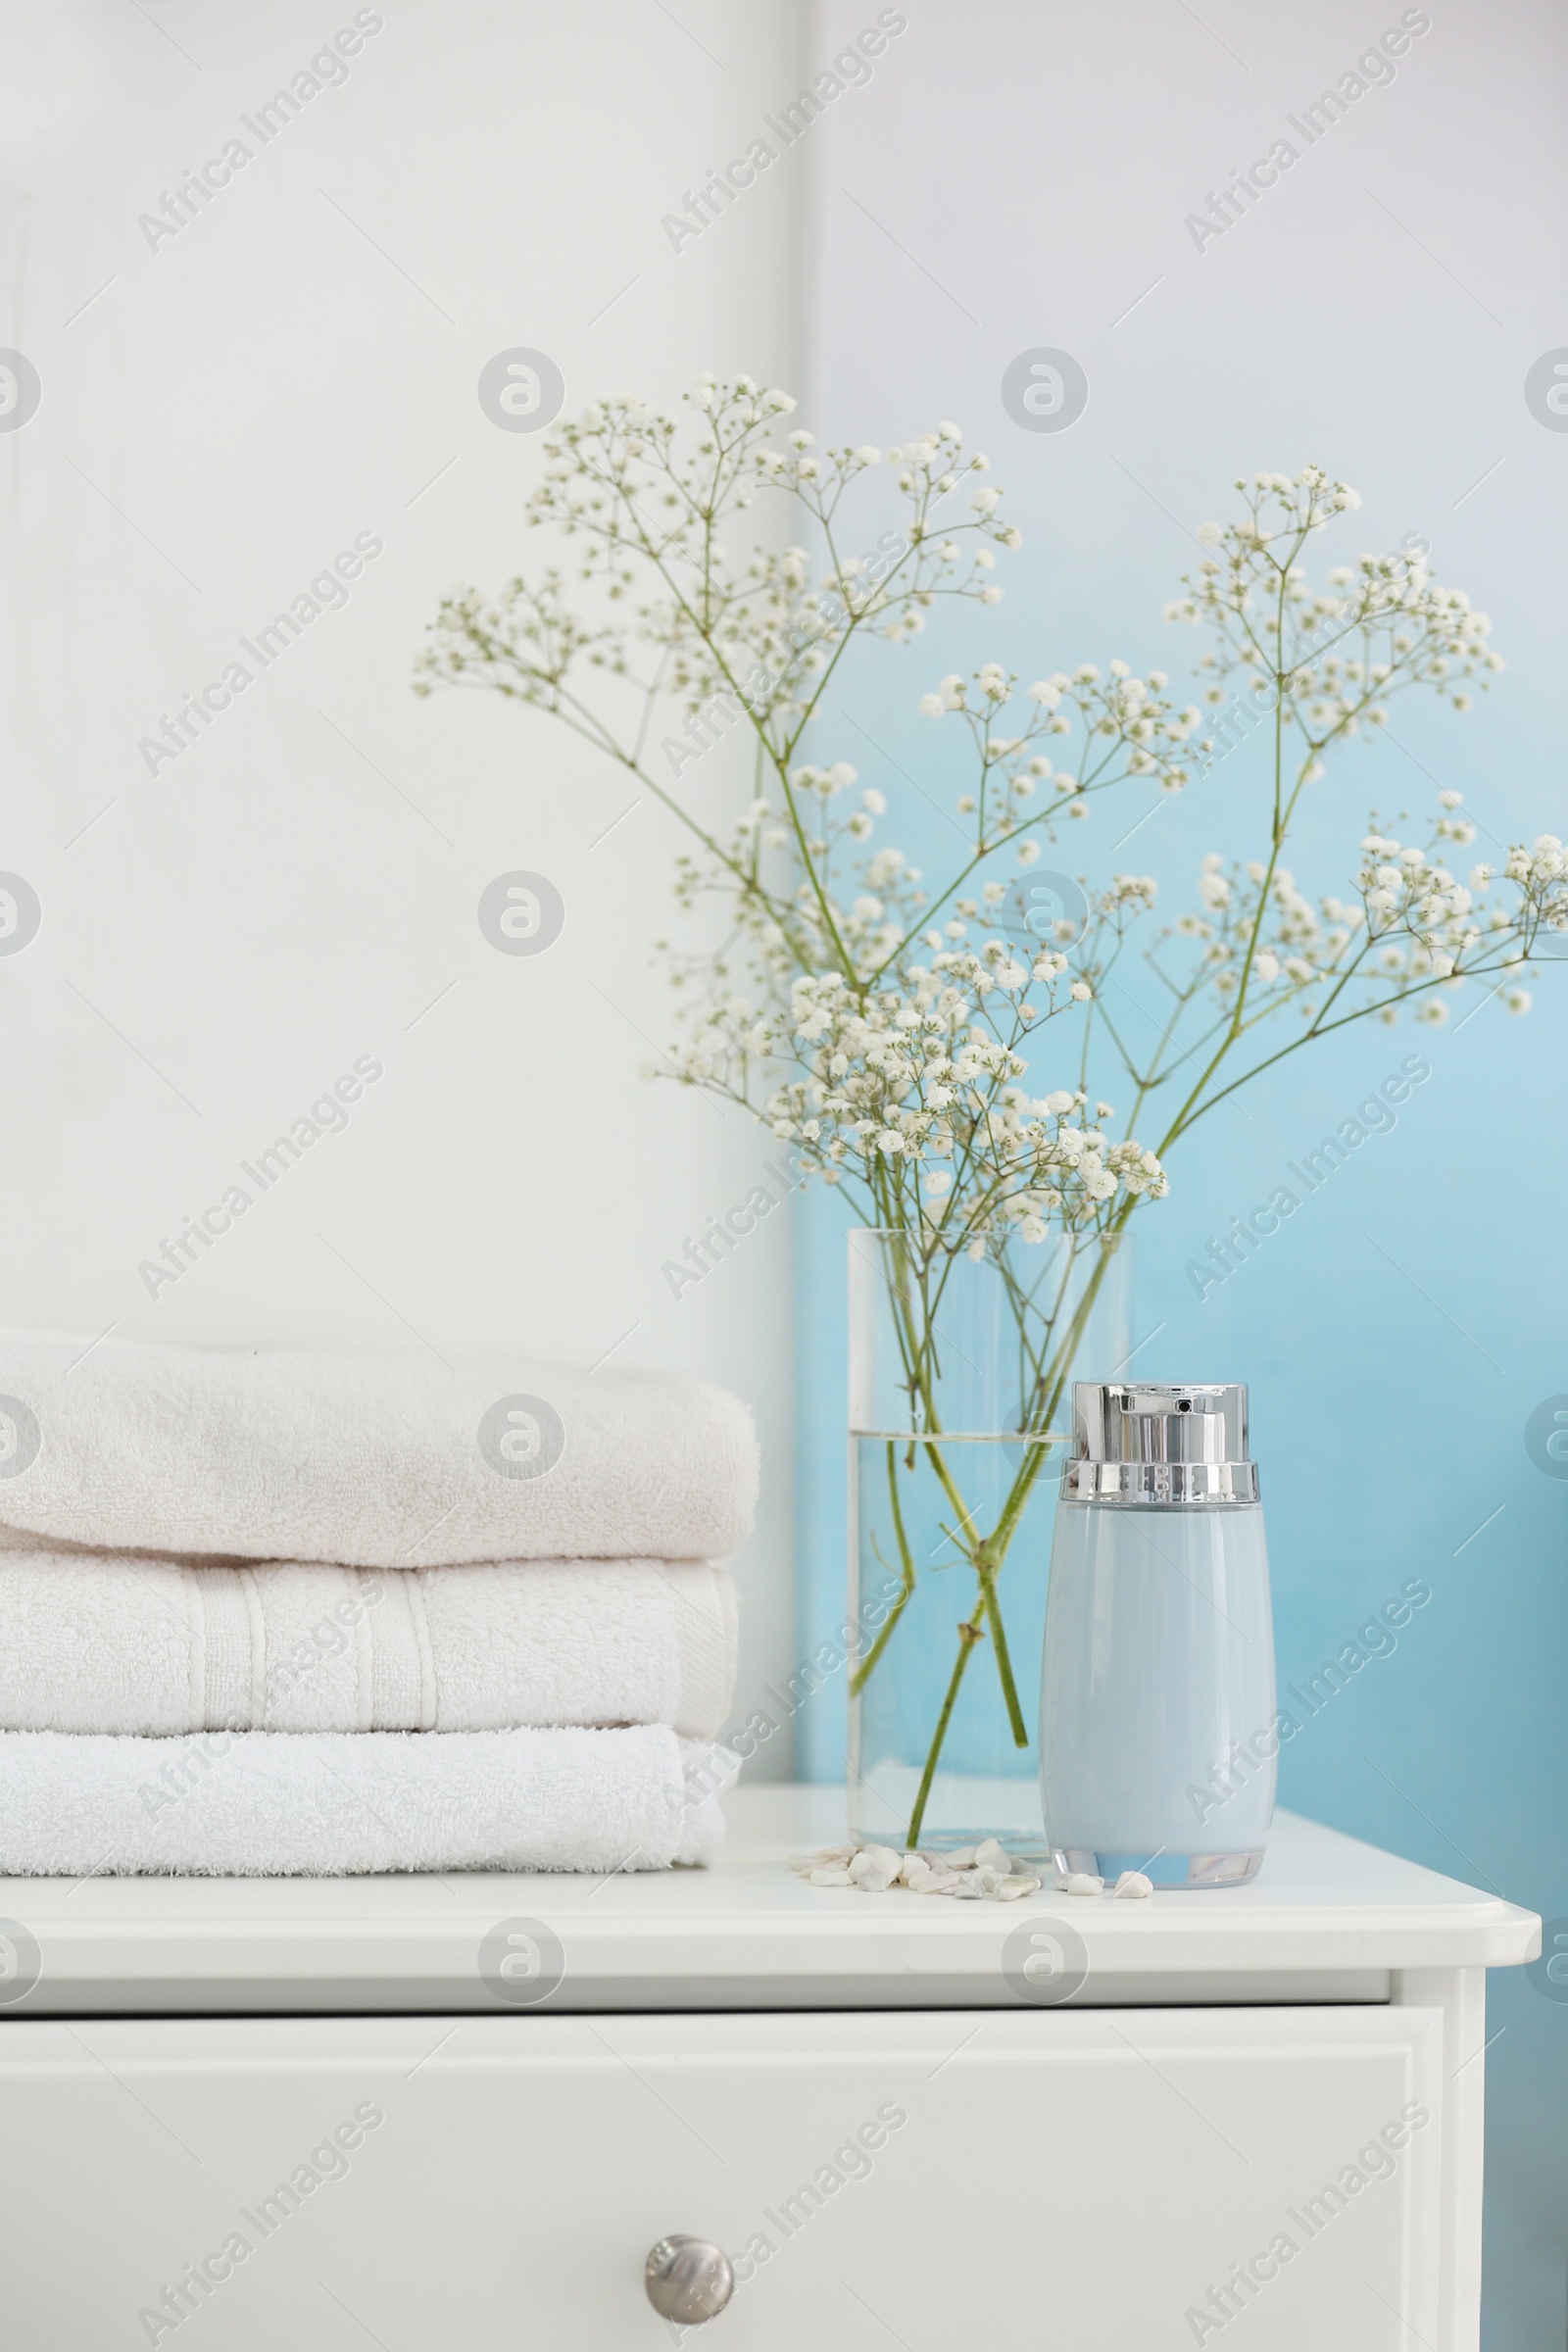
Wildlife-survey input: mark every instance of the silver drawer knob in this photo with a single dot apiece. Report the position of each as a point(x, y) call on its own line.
point(689, 2278)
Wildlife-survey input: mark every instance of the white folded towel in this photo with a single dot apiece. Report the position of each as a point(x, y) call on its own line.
point(331, 1804)
point(111, 1643)
point(373, 1459)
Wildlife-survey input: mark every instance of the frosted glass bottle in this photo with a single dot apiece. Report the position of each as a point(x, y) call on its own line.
point(1158, 1731)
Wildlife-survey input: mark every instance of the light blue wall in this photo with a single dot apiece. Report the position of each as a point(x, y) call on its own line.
point(1017, 180)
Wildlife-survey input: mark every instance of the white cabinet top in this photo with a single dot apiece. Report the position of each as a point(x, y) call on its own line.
point(1326, 1919)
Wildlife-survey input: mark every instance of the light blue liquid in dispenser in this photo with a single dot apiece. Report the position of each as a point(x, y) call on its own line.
point(1157, 1728)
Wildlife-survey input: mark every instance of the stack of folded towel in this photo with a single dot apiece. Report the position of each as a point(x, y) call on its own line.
point(332, 1613)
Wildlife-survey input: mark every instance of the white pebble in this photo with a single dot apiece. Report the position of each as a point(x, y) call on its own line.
point(873, 1859)
point(1133, 1884)
point(829, 1858)
point(986, 1873)
point(1083, 1881)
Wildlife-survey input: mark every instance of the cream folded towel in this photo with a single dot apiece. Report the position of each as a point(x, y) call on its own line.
point(332, 1804)
point(372, 1459)
point(95, 1642)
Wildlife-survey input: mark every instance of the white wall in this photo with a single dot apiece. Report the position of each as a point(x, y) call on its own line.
point(296, 366)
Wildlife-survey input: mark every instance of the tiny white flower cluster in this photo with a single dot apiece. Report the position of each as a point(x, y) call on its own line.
point(1133, 715)
point(618, 481)
point(1259, 928)
point(1542, 874)
point(1417, 926)
point(807, 922)
point(1541, 870)
point(1270, 625)
point(1405, 891)
point(1411, 897)
point(916, 1085)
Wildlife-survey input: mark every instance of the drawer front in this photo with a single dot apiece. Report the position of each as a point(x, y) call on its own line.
point(1083, 2181)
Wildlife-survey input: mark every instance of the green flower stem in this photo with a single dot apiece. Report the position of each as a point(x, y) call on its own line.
point(1009, 1689)
point(969, 1633)
point(1023, 1484)
point(917, 1362)
point(979, 1558)
point(988, 1554)
point(857, 1680)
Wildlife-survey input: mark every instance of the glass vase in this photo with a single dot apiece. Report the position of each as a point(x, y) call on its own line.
point(961, 1373)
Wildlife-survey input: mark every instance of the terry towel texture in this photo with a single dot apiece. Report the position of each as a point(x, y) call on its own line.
point(90, 1642)
point(369, 1459)
point(264, 1804)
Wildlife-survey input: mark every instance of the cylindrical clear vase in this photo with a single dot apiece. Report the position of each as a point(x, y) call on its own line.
point(961, 1373)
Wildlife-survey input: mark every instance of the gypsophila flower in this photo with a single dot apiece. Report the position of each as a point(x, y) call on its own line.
point(925, 1071)
point(850, 1008)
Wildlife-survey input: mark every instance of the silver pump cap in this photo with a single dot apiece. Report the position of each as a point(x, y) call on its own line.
point(1147, 1442)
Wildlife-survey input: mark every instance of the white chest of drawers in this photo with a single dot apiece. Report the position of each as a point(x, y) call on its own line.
point(244, 2116)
